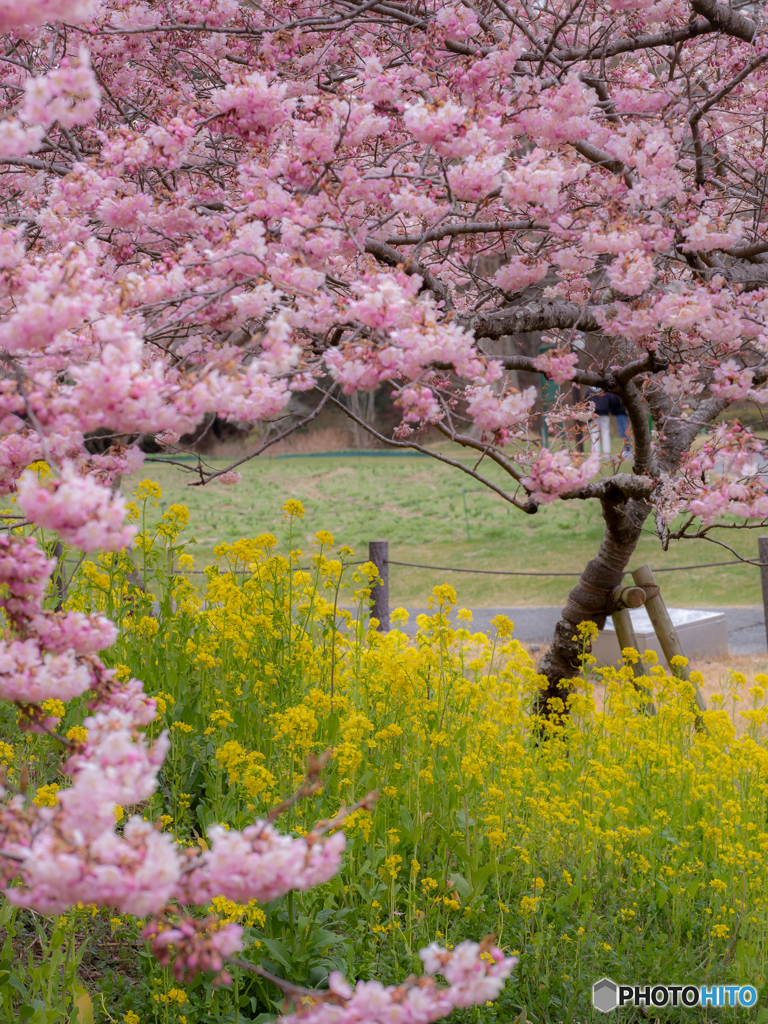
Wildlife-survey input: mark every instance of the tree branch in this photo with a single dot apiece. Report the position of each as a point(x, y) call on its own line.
point(469, 228)
point(603, 159)
point(670, 37)
point(394, 258)
point(727, 20)
point(36, 165)
point(624, 485)
point(529, 507)
point(262, 448)
point(638, 417)
point(540, 315)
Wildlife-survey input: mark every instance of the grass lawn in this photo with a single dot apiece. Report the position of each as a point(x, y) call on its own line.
point(437, 515)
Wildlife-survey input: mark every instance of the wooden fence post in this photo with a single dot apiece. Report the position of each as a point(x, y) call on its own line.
point(665, 631)
point(762, 547)
point(378, 553)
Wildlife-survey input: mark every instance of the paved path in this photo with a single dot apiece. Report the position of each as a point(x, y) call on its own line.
point(746, 626)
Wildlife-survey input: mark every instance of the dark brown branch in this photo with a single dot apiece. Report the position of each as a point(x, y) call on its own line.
point(621, 485)
point(745, 252)
point(394, 258)
point(727, 20)
point(603, 159)
point(715, 98)
point(638, 418)
point(540, 315)
point(36, 165)
point(529, 507)
point(470, 228)
point(267, 444)
point(670, 37)
point(590, 378)
point(470, 442)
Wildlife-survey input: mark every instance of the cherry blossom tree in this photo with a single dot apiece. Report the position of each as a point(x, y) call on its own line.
point(209, 207)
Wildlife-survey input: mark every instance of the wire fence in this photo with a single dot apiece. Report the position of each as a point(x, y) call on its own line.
point(506, 572)
point(498, 572)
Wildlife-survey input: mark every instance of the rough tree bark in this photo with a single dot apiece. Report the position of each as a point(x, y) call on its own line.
point(587, 601)
point(624, 514)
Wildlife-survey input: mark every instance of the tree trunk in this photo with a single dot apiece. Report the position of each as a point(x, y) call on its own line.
point(587, 601)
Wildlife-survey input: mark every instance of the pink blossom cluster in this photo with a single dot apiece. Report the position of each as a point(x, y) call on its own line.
point(18, 13)
point(45, 659)
point(475, 974)
point(555, 473)
point(31, 676)
point(69, 95)
point(736, 499)
point(192, 946)
point(558, 364)
point(731, 381)
point(518, 273)
point(499, 412)
point(419, 405)
point(62, 631)
point(260, 863)
point(83, 512)
point(723, 476)
point(24, 571)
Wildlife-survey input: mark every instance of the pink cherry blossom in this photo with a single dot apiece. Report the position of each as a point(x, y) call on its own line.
point(84, 513)
point(519, 273)
point(230, 478)
point(555, 473)
point(69, 95)
point(494, 412)
point(419, 405)
point(631, 273)
point(558, 365)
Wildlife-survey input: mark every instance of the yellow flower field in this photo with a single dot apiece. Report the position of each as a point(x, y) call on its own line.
point(599, 841)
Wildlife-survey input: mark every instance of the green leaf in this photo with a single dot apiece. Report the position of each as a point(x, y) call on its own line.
point(83, 1010)
point(522, 1016)
point(25, 1012)
point(278, 951)
point(462, 885)
point(17, 985)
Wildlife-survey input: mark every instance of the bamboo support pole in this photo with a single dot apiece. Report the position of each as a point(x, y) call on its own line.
point(665, 631)
point(625, 634)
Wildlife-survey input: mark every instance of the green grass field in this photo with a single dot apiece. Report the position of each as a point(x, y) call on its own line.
point(437, 515)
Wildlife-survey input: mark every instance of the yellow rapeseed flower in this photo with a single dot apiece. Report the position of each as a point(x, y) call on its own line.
point(53, 707)
point(293, 509)
point(148, 489)
point(46, 795)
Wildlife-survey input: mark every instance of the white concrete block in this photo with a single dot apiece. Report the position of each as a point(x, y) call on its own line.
point(702, 633)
